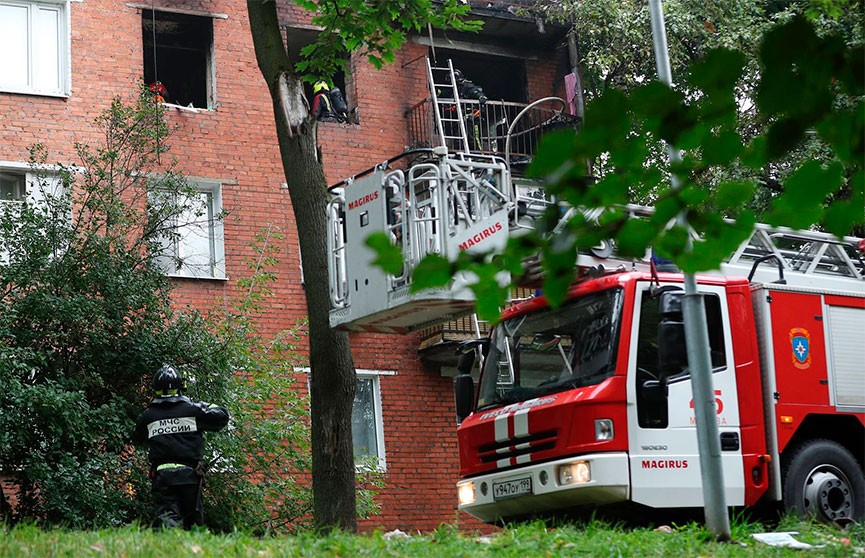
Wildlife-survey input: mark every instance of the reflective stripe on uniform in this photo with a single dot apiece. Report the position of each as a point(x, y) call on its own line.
point(171, 466)
point(179, 425)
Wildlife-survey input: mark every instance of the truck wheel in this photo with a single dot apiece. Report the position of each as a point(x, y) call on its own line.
point(823, 480)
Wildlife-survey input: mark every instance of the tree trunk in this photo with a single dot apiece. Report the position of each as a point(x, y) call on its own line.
point(332, 380)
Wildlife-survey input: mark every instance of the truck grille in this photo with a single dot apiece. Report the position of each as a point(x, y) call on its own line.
point(490, 453)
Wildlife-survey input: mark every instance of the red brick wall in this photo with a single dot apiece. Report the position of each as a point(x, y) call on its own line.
point(236, 144)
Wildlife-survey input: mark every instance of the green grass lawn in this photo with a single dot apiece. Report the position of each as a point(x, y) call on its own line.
point(594, 538)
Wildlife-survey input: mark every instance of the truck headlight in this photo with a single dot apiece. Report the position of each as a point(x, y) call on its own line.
point(574, 473)
point(604, 430)
point(466, 493)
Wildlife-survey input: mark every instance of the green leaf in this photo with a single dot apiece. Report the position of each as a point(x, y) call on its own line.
point(805, 191)
point(388, 256)
point(734, 194)
point(635, 236)
point(554, 151)
point(721, 149)
point(842, 215)
point(844, 131)
point(717, 73)
point(431, 272)
point(754, 155)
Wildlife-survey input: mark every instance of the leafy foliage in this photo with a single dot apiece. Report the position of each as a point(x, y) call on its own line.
point(86, 316)
point(376, 30)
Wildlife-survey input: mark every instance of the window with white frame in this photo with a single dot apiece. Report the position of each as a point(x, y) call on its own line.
point(367, 429)
point(34, 42)
point(12, 187)
point(193, 243)
point(19, 185)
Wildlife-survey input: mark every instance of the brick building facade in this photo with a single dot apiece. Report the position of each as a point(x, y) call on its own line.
point(98, 49)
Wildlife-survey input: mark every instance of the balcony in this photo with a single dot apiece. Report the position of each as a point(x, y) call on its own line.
point(487, 127)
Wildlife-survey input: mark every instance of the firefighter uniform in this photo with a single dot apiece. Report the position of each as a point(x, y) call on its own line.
point(172, 426)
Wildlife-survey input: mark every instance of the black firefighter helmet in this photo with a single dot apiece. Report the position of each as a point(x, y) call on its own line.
point(168, 381)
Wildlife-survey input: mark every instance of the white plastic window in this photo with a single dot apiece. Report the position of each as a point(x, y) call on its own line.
point(17, 186)
point(366, 422)
point(196, 247)
point(34, 42)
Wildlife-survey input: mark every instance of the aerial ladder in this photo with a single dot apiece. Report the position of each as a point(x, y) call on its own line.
point(448, 109)
point(451, 200)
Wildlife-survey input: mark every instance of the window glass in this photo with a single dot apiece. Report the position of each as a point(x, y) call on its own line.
point(193, 244)
point(33, 40)
point(647, 344)
point(552, 350)
point(13, 44)
point(363, 419)
point(46, 49)
point(12, 187)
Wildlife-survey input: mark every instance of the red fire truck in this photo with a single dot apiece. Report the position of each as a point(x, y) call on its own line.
point(590, 403)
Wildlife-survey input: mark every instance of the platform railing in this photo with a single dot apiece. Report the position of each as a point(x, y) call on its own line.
point(487, 126)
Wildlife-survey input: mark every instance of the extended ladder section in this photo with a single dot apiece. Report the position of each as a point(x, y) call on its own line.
point(809, 259)
point(449, 115)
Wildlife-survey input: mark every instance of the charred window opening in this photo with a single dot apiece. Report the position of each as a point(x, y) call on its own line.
point(502, 79)
point(296, 38)
point(178, 52)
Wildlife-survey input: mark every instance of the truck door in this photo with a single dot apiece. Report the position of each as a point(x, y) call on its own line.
point(662, 436)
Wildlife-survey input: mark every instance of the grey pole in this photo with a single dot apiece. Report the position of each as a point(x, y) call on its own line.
point(696, 339)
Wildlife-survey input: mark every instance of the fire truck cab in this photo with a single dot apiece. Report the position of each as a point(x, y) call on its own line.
point(590, 403)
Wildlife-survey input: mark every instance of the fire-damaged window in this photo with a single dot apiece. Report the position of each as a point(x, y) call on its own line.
point(296, 38)
point(501, 78)
point(178, 53)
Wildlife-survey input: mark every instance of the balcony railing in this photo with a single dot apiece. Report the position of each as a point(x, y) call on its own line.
point(487, 127)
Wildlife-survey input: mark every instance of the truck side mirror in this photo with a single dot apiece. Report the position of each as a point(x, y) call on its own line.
point(672, 351)
point(464, 386)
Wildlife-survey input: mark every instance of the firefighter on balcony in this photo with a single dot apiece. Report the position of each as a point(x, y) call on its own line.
point(467, 89)
point(172, 426)
point(474, 115)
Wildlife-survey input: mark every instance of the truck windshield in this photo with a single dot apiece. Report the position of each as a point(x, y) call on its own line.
point(548, 351)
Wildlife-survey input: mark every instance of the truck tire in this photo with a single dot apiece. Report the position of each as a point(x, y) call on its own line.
point(823, 480)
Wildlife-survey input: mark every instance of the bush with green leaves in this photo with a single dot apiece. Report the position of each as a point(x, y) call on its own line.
point(86, 317)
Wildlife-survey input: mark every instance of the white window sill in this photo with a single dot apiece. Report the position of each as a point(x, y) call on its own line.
point(14, 91)
point(182, 108)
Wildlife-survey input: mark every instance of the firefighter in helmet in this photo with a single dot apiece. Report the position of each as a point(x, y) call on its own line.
point(159, 92)
point(172, 426)
point(321, 105)
point(467, 88)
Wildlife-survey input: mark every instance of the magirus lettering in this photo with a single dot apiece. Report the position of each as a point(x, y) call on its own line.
point(478, 238)
point(363, 200)
point(665, 464)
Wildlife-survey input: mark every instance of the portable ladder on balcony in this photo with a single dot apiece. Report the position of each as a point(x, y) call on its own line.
point(450, 124)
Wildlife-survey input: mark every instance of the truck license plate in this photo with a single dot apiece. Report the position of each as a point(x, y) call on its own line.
point(512, 488)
